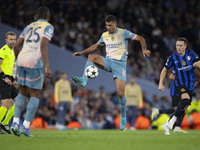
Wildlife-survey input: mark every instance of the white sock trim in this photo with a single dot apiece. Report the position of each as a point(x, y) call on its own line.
point(16, 120)
point(26, 124)
point(173, 120)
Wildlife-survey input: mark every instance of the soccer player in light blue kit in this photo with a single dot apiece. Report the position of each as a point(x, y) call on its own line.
point(116, 42)
point(30, 68)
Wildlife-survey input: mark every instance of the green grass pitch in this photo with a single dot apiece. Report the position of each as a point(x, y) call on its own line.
point(102, 140)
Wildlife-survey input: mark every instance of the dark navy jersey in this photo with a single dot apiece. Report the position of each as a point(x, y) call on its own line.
point(183, 68)
point(173, 89)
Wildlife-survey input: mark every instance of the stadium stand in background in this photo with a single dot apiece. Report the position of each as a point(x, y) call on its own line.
point(76, 21)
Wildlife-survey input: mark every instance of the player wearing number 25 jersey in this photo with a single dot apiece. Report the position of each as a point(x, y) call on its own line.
point(30, 68)
point(30, 55)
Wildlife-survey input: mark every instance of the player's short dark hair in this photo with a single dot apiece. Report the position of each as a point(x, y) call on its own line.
point(10, 33)
point(43, 12)
point(182, 39)
point(110, 18)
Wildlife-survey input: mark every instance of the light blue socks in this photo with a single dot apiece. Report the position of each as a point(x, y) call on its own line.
point(19, 104)
point(88, 63)
point(31, 108)
point(122, 103)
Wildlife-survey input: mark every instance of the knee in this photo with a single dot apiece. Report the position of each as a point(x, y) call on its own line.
point(185, 102)
point(120, 94)
point(6, 103)
point(92, 58)
point(185, 96)
point(23, 92)
point(34, 93)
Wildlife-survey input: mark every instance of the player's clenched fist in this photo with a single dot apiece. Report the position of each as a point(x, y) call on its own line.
point(77, 54)
point(161, 88)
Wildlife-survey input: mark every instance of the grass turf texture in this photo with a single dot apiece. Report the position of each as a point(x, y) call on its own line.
point(102, 140)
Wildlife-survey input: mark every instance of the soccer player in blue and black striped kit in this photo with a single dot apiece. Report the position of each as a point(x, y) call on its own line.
point(175, 101)
point(183, 63)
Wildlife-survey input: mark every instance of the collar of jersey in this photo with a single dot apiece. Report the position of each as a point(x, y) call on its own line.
point(8, 47)
point(114, 32)
point(180, 55)
point(42, 20)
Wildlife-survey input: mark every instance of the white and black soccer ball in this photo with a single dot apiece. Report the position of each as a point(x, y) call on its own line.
point(91, 72)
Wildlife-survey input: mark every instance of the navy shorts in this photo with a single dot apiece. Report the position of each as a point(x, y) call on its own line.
point(7, 91)
point(181, 89)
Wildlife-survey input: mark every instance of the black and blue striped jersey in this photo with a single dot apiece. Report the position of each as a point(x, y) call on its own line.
point(173, 89)
point(183, 68)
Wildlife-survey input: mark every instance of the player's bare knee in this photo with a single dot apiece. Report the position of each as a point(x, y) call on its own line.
point(34, 93)
point(6, 103)
point(185, 95)
point(92, 58)
point(23, 91)
point(120, 94)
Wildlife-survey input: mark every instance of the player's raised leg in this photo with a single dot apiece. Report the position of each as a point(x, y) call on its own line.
point(92, 59)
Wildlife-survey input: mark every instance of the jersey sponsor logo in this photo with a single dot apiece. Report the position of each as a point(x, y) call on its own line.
point(186, 68)
point(114, 45)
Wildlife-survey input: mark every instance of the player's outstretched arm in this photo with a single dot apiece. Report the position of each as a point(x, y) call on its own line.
point(143, 45)
point(162, 77)
point(44, 52)
point(17, 46)
point(90, 49)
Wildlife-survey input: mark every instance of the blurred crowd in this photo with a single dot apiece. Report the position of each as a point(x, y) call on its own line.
point(100, 110)
point(80, 23)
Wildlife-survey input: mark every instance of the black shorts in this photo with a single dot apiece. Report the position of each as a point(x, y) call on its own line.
point(175, 100)
point(7, 91)
point(182, 89)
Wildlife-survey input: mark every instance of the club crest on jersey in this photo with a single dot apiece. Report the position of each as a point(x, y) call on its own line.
point(182, 90)
point(183, 63)
point(189, 58)
point(112, 38)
